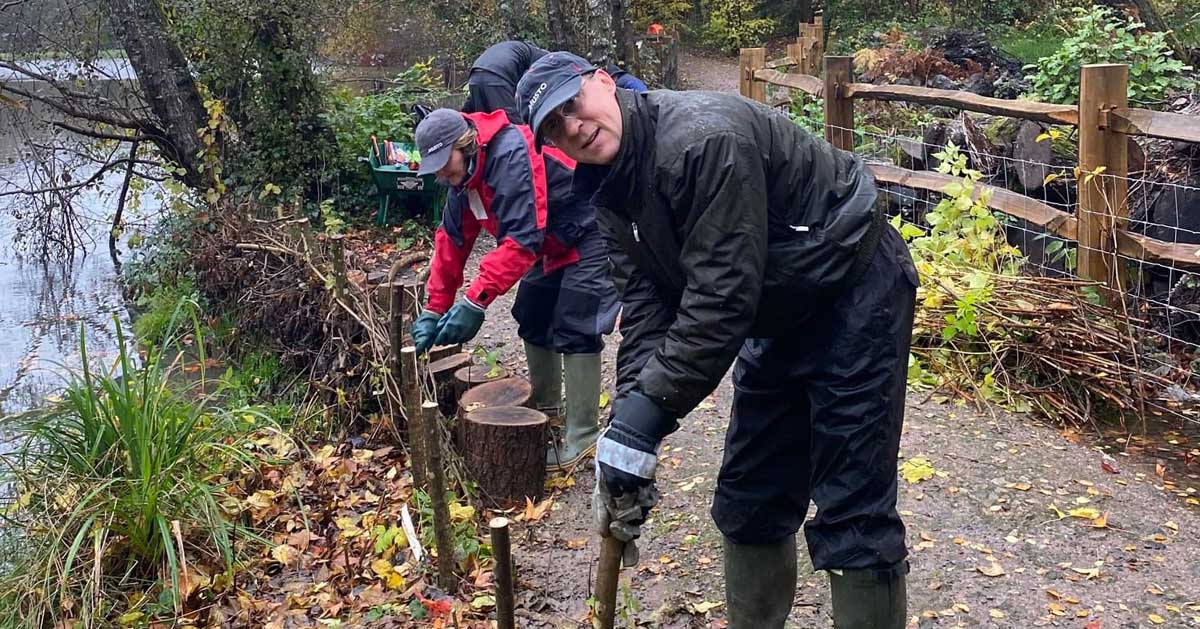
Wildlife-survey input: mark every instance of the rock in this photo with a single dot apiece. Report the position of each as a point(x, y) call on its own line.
point(941, 82)
point(1030, 155)
point(912, 153)
point(961, 46)
point(980, 83)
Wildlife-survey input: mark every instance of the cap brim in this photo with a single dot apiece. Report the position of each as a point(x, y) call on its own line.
point(560, 95)
point(434, 161)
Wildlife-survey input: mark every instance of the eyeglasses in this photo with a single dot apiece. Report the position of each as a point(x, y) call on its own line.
point(555, 122)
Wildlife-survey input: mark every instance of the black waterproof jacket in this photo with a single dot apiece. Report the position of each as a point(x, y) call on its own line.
point(504, 63)
point(727, 221)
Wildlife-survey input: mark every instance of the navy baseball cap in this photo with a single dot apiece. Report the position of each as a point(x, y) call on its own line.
point(548, 83)
point(436, 136)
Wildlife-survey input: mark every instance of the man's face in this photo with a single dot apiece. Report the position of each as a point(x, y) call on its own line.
point(454, 173)
point(588, 127)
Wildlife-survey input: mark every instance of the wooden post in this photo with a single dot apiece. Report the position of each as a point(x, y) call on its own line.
point(839, 110)
point(1103, 193)
point(502, 553)
point(437, 496)
point(404, 370)
point(749, 61)
point(607, 575)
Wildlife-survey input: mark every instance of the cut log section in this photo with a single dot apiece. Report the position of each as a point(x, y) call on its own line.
point(504, 448)
point(471, 376)
point(503, 392)
point(438, 352)
point(442, 372)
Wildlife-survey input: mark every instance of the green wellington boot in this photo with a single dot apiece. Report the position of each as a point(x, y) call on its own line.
point(545, 380)
point(582, 375)
point(760, 583)
point(870, 599)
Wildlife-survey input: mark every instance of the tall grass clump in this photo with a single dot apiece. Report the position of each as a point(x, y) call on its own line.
point(113, 490)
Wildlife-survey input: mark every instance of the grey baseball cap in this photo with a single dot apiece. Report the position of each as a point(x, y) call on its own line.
point(548, 83)
point(436, 136)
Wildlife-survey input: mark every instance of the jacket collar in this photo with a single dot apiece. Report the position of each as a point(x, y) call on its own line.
point(614, 186)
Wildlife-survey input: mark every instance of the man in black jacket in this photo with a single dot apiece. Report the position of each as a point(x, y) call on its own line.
point(494, 76)
point(738, 235)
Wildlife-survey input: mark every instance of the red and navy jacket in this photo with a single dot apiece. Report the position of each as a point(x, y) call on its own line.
point(523, 198)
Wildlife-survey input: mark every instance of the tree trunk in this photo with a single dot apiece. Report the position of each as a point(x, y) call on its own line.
point(600, 35)
point(1153, 19)
point(558, 24)
point(506, 452)
point(166, 82)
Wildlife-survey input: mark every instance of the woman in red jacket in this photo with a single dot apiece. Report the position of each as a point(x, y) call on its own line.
point(546, 238)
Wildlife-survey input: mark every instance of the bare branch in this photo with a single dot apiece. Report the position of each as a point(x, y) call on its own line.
point(100, 135)
point(10, 4)
point(74, 111)
point(73, 186)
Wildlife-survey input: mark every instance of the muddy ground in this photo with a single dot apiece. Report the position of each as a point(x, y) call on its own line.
point(992, 537)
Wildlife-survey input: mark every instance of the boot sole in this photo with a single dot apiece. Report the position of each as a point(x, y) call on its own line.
point(569, 466)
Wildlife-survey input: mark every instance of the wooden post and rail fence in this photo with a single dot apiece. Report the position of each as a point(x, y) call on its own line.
point(1104, 120)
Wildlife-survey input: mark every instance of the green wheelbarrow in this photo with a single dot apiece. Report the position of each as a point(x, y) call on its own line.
point(397, 184)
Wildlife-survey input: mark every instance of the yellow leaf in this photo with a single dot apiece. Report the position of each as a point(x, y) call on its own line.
point(560, 482)
point(995, 613)
point(382, 567)
point(1156, 619)
point(130, 619)
point(461, 513)
point(284, 554)
point(704, 607)
point(396, 581)
point(1087, 513)
point(1049, 178)
point(1058, 512)
point(917, 469)
point(993, 569)
point(1100, 522)
point(261, 499)
point(1173, 526)
point(1042, 137)
point(603, 399)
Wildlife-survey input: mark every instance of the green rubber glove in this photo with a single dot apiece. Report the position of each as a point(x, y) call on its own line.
point(425, 329)
point(460, 324)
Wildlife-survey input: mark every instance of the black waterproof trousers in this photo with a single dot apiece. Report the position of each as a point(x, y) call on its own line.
point(570, 309)
point(817, 415)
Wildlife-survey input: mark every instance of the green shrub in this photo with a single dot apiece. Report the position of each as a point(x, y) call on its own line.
point(1099, 35)
point(387, 116)
point(733, 24)
point(108, 482)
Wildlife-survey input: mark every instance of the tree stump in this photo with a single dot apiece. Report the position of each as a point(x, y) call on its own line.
point(438, 352)
point(442, 372)
point(503, 392)
point(505, 451)
point(471, 376)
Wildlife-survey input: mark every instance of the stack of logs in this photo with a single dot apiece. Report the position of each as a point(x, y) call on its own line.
point(501, 440)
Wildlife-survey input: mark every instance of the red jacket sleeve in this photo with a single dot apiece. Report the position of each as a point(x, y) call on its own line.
point(446, 269)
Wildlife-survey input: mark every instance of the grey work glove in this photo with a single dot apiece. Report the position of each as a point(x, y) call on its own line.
point(622, 516)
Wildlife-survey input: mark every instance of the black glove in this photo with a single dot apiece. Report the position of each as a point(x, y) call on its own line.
point(627, 451)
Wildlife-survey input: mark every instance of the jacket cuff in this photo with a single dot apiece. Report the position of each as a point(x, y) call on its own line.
point(479, 295)
point(641, 414)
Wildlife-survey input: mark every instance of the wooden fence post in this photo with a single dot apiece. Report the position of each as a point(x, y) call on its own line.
point(749, 61)
point(839, 110)
point(1103, 172)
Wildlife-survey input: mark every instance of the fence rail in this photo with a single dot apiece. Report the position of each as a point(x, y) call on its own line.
point(1102, 117)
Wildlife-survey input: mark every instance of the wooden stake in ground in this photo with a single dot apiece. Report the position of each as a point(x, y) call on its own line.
point(502, 552)
point(504, 448)
point(405, 371)
point(611, 551)
point(437, 496)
